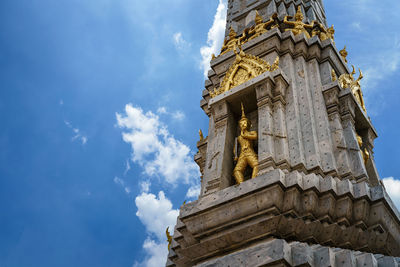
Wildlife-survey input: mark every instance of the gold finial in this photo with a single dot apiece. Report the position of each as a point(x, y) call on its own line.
point(258, 18)
point(333, 75)
point(213, 56)
point(169, 237)
point(299, 14)
point(184, 202)
point(354, 70)
point(243, 114)
point(201, 135)
point(344, 54)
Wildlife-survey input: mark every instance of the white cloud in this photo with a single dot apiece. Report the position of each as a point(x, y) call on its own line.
point(386, 62)
point(178, 115)
point(162, 110)
point(121, 182)
point(157, 253)
point(179, 42)
point(77, 133)
point(156, 214)
point(155, 149)
point(392, 187)
point(215, 36)
point(193, 192)
point(127, 167)
point(145, 186)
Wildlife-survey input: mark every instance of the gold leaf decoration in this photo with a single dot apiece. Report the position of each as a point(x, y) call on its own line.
point(244, 68)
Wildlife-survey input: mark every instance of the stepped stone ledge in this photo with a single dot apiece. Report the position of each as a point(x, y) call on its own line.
point(308, 208)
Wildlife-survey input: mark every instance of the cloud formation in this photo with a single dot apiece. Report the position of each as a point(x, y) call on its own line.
point(155, 149)
point(179, 42)
point(121, 183)
point(215, 37)
point(77, 134)
point(156, 214)
point(392, 187)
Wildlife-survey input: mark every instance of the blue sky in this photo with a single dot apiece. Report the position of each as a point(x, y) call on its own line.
point(96, 95)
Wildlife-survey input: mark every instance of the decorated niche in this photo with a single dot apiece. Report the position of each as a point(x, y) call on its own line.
point(244, 68)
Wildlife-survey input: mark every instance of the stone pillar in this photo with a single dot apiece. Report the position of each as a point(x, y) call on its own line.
point(219, 162)
point(347, 108)
point(265, 127)
point(280, 132)
point(331, 96)
point(368, 141)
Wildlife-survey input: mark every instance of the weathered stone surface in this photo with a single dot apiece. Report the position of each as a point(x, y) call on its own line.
point(306, 208)
point(315, 201)
point(277, 251)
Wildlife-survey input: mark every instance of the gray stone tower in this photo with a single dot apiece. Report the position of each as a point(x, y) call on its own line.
point(316, 199)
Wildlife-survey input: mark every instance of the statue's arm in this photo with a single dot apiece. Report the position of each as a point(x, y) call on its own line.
point(250, 135)
point(287, 22)
point(310, 26)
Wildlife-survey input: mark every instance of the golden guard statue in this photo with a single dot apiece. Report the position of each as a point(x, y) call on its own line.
point(232, 42)
point(247, 155)
point(298, 25)
point(364, 153)
point(261, 27)
point(323, 33)
point(356, 90)
point(348, 81)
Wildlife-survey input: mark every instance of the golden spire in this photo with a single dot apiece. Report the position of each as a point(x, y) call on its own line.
point(169, 237)
point(299, 14)
point(258, 18)
point(243, 114)
point(201, 135)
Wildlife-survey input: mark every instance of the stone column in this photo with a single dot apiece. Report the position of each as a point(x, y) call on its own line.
point(370, 165)
point(280, 132)
point(347, 108)
point(265, 127)
point(219, 162)
point(331, 96)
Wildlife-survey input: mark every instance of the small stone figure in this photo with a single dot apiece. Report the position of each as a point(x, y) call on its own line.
point(247, 155)
point(298, 25)
point(260, 27)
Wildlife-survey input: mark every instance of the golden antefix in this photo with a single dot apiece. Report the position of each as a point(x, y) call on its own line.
point(247, 155)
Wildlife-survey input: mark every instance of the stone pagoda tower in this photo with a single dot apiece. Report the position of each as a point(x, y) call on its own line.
point(288, 172)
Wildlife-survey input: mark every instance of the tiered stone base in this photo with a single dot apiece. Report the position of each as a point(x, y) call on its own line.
point(289, 206)
point(278, 252)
